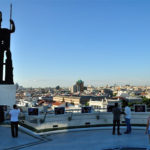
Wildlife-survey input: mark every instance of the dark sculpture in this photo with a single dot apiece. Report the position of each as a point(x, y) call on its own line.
point(6, 68)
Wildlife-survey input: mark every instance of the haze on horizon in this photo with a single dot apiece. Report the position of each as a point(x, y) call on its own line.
point(58, 42)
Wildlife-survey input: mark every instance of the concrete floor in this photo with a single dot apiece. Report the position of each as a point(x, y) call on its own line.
point(79, 140)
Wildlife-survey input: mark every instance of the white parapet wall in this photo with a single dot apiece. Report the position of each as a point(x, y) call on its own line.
point(53, 121)
point(7, 94)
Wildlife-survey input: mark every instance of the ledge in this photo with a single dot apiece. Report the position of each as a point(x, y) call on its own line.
point(85, 127)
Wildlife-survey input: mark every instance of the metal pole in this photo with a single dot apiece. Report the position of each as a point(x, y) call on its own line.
point(10, 14)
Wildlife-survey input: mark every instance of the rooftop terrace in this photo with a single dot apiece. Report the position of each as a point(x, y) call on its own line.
point(100, 138)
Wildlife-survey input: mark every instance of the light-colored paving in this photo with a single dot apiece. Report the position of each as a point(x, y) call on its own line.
point(79, 140)
point(7, 142)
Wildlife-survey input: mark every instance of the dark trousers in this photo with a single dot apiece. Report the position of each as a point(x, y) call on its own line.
point(118, 126)
point(14, 129)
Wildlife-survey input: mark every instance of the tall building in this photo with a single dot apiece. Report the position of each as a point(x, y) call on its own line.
point(80, 86)
point(74, 89)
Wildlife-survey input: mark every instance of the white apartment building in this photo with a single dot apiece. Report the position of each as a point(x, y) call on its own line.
point(103, 104)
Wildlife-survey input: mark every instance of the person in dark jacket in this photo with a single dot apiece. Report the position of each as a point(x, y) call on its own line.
point(116, 119)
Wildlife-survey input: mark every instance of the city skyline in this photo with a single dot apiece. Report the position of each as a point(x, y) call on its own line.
point(58, 42)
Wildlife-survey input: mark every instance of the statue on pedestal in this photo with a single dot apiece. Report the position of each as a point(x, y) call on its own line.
point(6, 68)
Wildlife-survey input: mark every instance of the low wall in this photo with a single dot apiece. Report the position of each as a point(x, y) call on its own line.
point(76, 120)
point(7, 94)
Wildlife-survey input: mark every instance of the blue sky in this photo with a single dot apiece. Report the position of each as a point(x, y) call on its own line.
point(101, 42)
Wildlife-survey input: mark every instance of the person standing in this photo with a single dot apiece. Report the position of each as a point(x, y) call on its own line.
point(127, 113)
point(14, 113)
point(116, 119)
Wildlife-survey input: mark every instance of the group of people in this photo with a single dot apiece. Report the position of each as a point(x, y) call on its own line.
point(127, 113)
point(14, 113)
point(116, 118)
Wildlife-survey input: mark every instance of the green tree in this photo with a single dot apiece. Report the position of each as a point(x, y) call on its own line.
point(87, 104)
point(146, 101)
point(57, 87)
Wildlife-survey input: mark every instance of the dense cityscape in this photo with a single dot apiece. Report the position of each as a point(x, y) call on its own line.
point(45, 46)
point(80, 95)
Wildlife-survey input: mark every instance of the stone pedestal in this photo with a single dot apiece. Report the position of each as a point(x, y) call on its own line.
point(7, 94)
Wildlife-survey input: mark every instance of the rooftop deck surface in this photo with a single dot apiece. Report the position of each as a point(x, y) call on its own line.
point(101, 139)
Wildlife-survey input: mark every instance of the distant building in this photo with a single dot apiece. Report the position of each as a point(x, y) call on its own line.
point(148, 95)
point(98, 104)
point(80, 86)
point(134, 99)
point(27, 94)
point(103, 104)
point(57, 104)
point(76, 100)
point(122, 94)
point(74, 89)
point(48, 98)
point(70, 99)
point(108, 92)
point(90, 88)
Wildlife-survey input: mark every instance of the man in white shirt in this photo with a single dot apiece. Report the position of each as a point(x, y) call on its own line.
point(14, 113)
point(127, 118)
